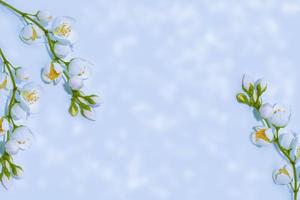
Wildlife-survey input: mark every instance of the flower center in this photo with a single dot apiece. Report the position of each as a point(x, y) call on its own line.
point(278, 110)
point(63, 30)
point(31, 96)
point(1, 125)
point(53, 74)
point(34, 34)
point(284, 171)
point(261, 135)
point(3, 84)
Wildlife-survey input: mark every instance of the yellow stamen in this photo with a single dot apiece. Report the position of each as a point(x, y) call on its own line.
point(53, 74)
point(34, 35)
point(1, 125)
point(3, 84)
point(31, 96)
point(261, 134)
point(284, 171)
point(63, 30)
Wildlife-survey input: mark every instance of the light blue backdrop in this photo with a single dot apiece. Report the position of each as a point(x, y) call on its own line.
point(169, 126)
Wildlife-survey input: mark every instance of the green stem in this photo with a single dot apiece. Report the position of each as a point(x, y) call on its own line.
point(27, 16)
point(286, 153)
point(8, 66)
point(50, 43)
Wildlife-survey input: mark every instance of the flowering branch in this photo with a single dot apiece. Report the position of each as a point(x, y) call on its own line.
point(274, 119)
point(23, 98)
point(60, 37)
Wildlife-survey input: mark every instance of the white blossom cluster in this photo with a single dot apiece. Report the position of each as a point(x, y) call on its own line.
point(60, 35)
point(24, 97)
point(274, 119)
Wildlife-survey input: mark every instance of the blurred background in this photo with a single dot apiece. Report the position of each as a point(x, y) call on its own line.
point(169, 126)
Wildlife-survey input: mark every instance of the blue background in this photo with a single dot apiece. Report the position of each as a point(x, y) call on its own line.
point(169, 126)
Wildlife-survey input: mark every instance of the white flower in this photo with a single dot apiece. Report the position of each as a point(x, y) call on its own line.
point(30, 33)
point(281, 116)
point(89, 114)
point(266, 111)
point(262, 136)
point(63, 31)
point(75, 83)
point(23, 136)
point(52, 72)
point(62, 51)
point(283, 175)
point(22, 74)
point(29, 97)
point(6, 181)
point(286, 140)
point(44, 16)
point(79, 67)
point(18, 113)
point(248, 82)
point(4, 125)
point(12, 147)
point(5, 82)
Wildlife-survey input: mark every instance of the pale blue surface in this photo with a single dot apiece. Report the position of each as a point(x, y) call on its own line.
point(169, 127)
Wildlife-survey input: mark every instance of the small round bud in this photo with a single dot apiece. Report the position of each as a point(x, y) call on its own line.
point(12, 147)
point(242, 98)
point(44, 16)
point(22, 75)
point(75, 82)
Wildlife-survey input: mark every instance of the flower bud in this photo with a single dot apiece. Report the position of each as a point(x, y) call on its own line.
point(89, 114)
point(261, 86)
point(62, 51)
point(17, 172)
point(266, 111)
point(248, 84)
point(44, 16)
point(79, 67)
point(18, 113)
point(93, 100)
point(75, 83)
point(286, 140)
point(73, 110)
point(22, 75)
point(6, 181)
point(11, 147)
point(295, 153)
point(242, 98)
